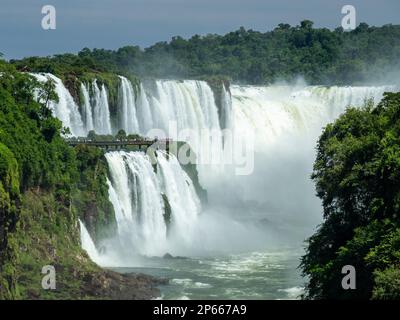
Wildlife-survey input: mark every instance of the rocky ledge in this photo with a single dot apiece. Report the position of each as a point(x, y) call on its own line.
point(116, 286)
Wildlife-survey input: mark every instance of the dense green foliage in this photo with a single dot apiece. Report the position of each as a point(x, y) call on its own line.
point(32, 135)
point(322, 56)
point(44, 186)
point(357, 176)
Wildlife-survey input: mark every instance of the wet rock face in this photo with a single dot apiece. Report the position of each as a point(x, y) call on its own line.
point(72, 83)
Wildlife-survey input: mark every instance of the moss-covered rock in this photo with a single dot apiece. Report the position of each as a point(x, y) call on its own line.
point(47, 233)
point(190, 168)
point(217, 84)
point(73, 84)
point(91, 197)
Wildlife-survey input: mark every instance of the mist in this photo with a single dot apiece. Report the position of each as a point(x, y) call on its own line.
point(272, 207)
point(279, 196)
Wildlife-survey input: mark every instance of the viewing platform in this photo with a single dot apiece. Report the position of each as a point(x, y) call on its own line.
point(121, 144)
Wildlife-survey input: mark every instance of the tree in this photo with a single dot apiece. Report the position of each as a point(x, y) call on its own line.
point(357, 176)
point(92, 135)
point(321, 55)
point(121, 135)
point(283, 26)
point(306, 24)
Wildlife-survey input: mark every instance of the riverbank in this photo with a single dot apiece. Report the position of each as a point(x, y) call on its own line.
point(108, 284)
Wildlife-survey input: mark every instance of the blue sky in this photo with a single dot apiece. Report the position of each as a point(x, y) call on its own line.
point(114, 23)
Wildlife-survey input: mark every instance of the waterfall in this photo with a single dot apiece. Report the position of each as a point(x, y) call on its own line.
point(87, 114)
point(127, 108)
point(271, 111)
point(136, 192)
point(182, 197)
point(190, 103)
point(65, 109)
point(226, 109)
point(94, 115)
point(287, 121)
point(186, 111)
point(144, 112)
point(101, 110)
point(88, 244)
point(276, 112)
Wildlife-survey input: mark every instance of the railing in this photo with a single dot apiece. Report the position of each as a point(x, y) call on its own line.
point(120, 143)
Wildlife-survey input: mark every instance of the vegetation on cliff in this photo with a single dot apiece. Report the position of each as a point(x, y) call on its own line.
point(45, 185)
point(357, 176)
point(90, 197)
point(74, 70)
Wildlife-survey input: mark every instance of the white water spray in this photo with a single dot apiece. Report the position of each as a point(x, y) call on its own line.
point(136, 192)
point(101, 110)
point(88, 244)
point(127, 108)
point(87, 114)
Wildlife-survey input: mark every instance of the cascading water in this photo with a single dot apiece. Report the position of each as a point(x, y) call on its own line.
point(270, 111)
point(138, 196)
point(101, 110)
point(190, 103)
point(127, 108)
point(88, 244)
point(94, 115)
point(136, 192)
point(145, 112)
point(226, 109)
point(273, 208)
point(87, 114)
point(286, 121)
point(65, 109)
point(278, 111)
point(185, 111)
point(178, 188)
